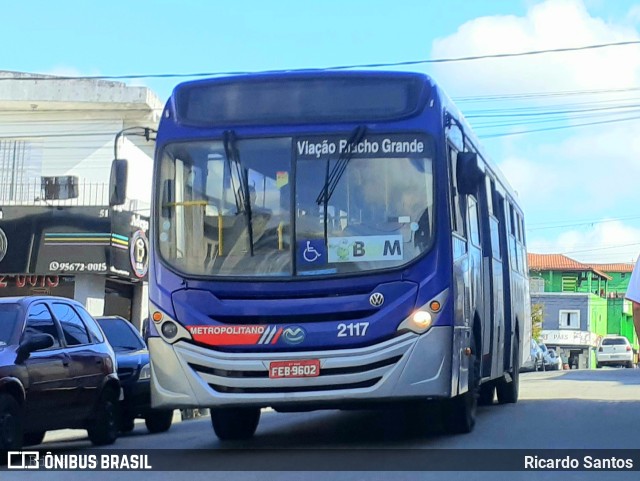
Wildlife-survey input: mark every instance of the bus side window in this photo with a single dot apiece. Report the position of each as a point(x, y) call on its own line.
point(474, 227)
point(514, 258)
point(457, 219)
point(494, 217)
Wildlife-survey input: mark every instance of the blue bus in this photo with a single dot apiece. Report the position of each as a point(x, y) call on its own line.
point(327, 240)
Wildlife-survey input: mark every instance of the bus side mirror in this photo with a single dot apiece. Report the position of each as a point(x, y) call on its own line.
point(470, 172)
point(118, 182)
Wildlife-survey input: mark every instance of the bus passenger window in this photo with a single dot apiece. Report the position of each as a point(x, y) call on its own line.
point(457, 220)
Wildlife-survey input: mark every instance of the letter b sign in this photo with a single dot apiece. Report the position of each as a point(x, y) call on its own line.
point(358, 249)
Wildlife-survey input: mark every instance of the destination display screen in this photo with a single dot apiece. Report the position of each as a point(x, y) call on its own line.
point(299, 100)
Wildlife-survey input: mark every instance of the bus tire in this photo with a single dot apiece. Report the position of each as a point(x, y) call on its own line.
point(508, 390)
point(460, 412)
point(487, 393)
point(159, 420)
point(32, 439)
point(232, 424)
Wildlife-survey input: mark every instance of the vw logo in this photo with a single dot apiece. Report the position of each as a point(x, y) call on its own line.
point(294, 335)
point(376, 299)
point(4, 244)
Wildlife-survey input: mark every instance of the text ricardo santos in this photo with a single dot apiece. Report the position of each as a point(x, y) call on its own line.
point(584, 462)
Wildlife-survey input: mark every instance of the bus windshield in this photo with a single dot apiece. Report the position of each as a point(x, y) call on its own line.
point(233, 208)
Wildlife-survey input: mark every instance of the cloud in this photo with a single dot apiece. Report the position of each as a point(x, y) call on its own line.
point(597, 163)
point(609, 241)
point(634, 14)
point(547, 25)
point(579, 173)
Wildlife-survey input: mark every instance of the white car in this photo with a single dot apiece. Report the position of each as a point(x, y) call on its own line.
point(614, 351)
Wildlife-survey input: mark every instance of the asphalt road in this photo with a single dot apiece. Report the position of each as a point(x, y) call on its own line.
point(597, 409)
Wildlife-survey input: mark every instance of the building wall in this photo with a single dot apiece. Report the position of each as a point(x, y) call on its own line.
point(62, 146)
point(619, 283)
point(598, 315)
point(573, 281)
point(51, 127)
point(620, 320)
point(554, 303)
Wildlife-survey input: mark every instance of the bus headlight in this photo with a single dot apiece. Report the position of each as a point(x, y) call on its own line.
point(170, 330)
point(422, 319)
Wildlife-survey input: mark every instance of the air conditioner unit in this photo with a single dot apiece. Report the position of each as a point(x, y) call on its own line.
point(60, 187)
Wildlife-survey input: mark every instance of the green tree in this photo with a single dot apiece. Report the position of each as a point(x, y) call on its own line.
point(537, 316)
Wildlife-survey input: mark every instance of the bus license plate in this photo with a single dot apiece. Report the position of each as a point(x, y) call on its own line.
point(287, 369)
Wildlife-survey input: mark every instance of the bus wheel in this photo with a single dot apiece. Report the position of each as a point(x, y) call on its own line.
point(487, 393)
point(460, 412)
point(235, 423)
point(508, 390)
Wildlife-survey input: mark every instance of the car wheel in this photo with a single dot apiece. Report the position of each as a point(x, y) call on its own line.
point(127, 424)
point(460, 412)
point(31, 439)
point(598, 365)
point(104, 428)
point(159, 421)
point(508, 390)
point(235, 423)
point(630, 365)
point(10, 423)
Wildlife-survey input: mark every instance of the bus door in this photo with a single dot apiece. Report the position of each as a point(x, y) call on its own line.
point(500, 205)
point(493, 261)
point(477, 278)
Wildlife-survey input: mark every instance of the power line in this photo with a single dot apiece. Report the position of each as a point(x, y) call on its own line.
point(583, 223)
point(338, 67)
point(547, 129)
point(557, 93)
point(602, 248)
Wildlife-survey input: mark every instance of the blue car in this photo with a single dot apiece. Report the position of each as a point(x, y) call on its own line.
point(134, 372)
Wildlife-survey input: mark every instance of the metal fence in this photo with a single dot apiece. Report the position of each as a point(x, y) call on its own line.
point(39, 192)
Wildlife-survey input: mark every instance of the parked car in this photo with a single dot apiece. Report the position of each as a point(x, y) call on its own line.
point(555, 361)
point(548, 362)
point(614, 351)
point(134, 372)
point(56, 371)
point(535, 361)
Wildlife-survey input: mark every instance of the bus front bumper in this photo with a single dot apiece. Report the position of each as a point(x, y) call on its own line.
point(407, 367)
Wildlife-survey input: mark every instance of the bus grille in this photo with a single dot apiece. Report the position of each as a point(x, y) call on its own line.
point(275, 390)
point(248, 373)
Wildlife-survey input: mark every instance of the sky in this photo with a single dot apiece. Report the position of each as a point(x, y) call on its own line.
point(579, 184)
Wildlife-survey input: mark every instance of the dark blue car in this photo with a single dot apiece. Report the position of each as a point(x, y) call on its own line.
point(134, 372)
point(56, 372)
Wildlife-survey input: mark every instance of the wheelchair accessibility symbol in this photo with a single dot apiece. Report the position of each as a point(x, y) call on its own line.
point(310, 253)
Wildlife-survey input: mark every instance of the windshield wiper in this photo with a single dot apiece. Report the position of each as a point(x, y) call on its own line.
point(333, 176)
point(242, 195)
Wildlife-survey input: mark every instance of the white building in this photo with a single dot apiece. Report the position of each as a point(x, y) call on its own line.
point(56, 147)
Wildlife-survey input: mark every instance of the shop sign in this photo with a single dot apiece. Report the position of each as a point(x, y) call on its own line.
point(569, 337)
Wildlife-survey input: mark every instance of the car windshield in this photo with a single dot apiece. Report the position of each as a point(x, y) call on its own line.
point(120, 334)
point(230, 207)
point(9, 316)
point(617, 341)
